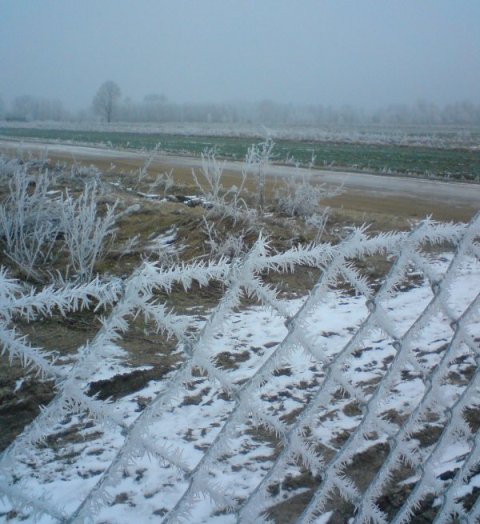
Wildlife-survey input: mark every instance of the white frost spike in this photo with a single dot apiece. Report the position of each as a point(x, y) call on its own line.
point(334, 372)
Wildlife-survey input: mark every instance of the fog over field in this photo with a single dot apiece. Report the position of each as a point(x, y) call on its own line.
point(365, 54)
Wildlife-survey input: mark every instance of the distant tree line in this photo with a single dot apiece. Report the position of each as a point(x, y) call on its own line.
point(108, 105)
point(156, 108)
point(28, 107)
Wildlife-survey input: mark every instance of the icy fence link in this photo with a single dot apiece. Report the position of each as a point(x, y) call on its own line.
point(434, 426)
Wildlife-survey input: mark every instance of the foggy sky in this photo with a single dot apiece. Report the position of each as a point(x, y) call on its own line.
point(367, 53)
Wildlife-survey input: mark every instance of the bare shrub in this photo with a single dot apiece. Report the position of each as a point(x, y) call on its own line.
point(8, 167)
point(223, 202)
point(231, 246)
point(299, 196)
point(142, 173)
point(86, 174)
point(29, 220)
point(257, 160)
point(86, 234)
point(38, 223)
point(164, 180)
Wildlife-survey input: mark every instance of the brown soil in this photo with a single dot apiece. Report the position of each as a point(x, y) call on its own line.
point(357, 205)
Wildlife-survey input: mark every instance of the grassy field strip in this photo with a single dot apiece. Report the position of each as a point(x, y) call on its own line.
point(459, 163)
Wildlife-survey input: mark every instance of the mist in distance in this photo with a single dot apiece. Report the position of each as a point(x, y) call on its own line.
point(230, 60)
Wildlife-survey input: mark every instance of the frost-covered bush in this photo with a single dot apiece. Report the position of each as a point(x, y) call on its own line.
point(39, 223)
point(8, 167)
point(86, 174)
point(299, 196)
point(318, 222)
point(163, 180)
point(142, 172)
point(259, 157)
point(221, 201)
point(29, 220)
point(86, 234)
point(231, 246)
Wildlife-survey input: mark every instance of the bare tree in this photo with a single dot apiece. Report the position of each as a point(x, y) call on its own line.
point(105, 101)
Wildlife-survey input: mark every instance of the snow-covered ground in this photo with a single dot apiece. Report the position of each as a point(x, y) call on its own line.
point(67, 469)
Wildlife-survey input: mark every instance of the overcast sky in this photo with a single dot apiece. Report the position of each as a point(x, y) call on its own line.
point(366, 53)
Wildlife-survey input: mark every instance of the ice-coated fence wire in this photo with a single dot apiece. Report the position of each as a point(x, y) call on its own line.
point(301, 443)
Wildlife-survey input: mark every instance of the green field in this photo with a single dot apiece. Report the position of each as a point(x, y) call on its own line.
point(455, 164)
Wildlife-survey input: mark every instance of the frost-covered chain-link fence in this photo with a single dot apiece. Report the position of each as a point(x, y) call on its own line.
point(360, 401)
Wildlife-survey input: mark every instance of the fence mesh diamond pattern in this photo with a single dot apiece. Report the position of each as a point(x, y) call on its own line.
point(358, 401)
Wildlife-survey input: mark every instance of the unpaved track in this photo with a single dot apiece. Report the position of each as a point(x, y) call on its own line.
point(362, 191)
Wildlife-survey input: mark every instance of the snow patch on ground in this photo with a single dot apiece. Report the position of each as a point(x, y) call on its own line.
point(67, 468)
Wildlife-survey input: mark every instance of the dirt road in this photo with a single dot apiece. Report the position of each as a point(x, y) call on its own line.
point(363, 192)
